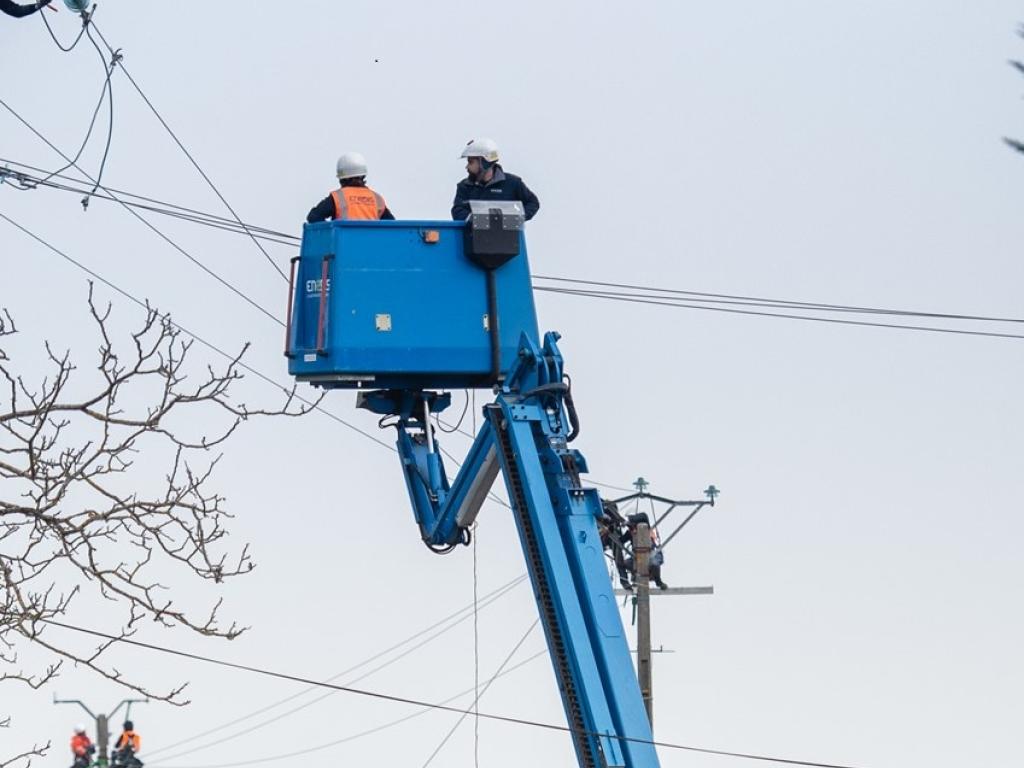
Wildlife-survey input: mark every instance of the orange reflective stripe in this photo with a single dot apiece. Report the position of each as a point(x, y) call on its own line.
point(340, 207)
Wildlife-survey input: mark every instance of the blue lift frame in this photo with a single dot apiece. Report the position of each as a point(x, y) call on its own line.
point(406, 310)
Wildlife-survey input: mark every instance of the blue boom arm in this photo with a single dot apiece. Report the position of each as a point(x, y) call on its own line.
point(525, 434)
point(406, 308)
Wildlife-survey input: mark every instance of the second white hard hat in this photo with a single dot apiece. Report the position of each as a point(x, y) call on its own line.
point(351, 165)
point(80, 728)
point(485, 148)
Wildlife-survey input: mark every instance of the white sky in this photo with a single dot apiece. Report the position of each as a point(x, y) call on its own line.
point(866, 549)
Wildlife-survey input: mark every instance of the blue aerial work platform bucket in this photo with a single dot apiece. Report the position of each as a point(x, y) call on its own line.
point(408, 304)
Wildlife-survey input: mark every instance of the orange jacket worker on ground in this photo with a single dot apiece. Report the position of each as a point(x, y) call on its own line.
point(127, 747)
point(353, 199)
point(129, 737)
point(81, 746)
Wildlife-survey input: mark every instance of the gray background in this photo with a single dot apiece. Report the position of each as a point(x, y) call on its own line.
point(866, 549)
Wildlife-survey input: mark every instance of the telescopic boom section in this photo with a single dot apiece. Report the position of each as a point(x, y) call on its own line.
point(525, 434)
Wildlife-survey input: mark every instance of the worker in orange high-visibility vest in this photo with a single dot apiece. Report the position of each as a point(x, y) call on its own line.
point(353, 199)
point(127, 747)
point(82, 747)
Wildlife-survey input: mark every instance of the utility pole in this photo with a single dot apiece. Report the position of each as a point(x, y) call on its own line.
point(102, 723)
point(642, 572)
point(642, 560)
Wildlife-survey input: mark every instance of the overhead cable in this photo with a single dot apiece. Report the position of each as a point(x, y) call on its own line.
point(106, 94)
point(668, 297)
point(221, 739)
point(624, 297)
point(478, 694)
point(723, 298)
point(200, 339)
point(191, 159)
point(114, 639)
point(352, 736)
point(155, 206)
point(234, 289)
point(500, 591)
point(74, 43)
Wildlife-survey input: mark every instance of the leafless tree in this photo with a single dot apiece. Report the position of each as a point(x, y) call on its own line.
point(104, 492)
point(1019, 66)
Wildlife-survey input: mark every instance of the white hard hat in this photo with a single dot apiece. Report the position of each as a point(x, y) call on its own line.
point(80, 728)
point(351, 165)
point(485, 148)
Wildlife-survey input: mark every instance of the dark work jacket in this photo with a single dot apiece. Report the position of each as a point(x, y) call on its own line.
point(16, 10)
point(503, 186)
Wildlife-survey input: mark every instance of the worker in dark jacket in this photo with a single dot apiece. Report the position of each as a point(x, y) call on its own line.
point(17, 10)
point(613, 538)
point(655, 558)
point(487, 180)
point(353, 199)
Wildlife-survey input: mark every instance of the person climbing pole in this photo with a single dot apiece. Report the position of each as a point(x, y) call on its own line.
point(655, 558)
point(17, 10)
point(614, 539)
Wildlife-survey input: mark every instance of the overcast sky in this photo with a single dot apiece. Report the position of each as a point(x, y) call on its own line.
point(866, 550)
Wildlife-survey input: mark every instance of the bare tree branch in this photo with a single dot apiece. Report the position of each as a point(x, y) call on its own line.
point(1019, 66)
point(84, 515)
point(24, 760)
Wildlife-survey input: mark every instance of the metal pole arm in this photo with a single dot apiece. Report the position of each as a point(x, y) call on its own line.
point(74, 701)
point(669, 591)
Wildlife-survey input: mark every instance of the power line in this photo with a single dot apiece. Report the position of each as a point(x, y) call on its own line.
point(419, 703)
point(314, 405)
point(320, 683)
point(237, 291)
point(115, 59)
point(211, 346)
point(658, 296)
point(786, 316)
point(145, 221)
point(25, 179)
point(358, 734)
point(496, 594)
point(192, 160)
point(430, 638)
point(106, 94)
point(157, 206)
point(653, 296)
point(74, 43)
point(200, 339)
point(476, 700)
point(760, 301)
